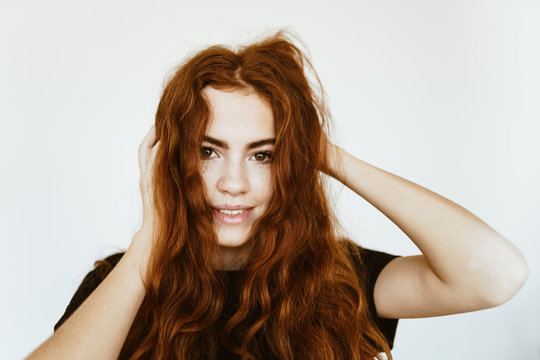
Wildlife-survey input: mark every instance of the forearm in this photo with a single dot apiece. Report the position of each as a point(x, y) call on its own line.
point(461, 249)
point(98, 328)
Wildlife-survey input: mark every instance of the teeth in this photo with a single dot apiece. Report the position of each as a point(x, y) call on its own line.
point(232, 212)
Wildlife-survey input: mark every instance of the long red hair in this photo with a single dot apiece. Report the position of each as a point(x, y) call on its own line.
point(299, 284)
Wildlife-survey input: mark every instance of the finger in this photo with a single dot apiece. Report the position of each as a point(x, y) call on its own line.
point(149, 139)
point(152, 134)
point(147, 158)
point(154, 149)
point(146, 146)
point(152, 155)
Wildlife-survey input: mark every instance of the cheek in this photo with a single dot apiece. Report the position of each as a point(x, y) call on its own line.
point(261, 183)
point(207, 176)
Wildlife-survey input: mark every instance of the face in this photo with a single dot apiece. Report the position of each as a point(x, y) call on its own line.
point(235, 162)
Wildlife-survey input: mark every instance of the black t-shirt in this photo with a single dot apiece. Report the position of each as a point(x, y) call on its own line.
point(374, 261)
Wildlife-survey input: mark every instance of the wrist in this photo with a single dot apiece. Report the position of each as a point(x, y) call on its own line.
point(139, 250)
point(334, 161)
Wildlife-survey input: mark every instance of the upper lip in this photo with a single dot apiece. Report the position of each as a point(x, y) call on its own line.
point(232, 207)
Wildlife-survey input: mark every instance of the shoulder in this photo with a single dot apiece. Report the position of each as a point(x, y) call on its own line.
point(103, 267)
point(91, 281)
point(369, 264)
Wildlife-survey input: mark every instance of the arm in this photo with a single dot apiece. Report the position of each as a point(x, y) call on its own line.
point(465, 265)
point(98, 328)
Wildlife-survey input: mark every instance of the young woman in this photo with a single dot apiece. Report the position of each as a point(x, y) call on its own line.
point(239, 254)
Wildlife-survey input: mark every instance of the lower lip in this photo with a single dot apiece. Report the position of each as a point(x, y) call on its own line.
point(233, 220)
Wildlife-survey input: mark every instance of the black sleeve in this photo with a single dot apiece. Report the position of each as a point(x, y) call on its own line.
point(373, 262)
point(88, 285)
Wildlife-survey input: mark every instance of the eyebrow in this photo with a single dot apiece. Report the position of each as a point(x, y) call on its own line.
point(250, 146)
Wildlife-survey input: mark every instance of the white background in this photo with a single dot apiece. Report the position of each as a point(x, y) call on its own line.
point(443, 93)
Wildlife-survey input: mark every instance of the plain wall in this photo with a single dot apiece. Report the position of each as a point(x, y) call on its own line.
point(443, 93)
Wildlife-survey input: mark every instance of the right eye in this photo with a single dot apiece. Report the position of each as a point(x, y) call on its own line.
point(206, 152)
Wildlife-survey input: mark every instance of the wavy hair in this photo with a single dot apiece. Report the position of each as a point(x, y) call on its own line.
point(300, 296)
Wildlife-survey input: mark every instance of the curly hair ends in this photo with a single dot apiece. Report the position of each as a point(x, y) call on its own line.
point(299, 287)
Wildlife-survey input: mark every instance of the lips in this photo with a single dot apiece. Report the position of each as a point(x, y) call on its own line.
point(235, 216)
point(232, 207)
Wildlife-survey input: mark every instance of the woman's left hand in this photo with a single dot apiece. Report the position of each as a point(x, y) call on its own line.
point(331, 163)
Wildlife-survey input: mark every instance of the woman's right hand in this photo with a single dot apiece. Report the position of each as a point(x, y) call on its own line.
point(147, 154)
point(97, 329)
point(141, 244)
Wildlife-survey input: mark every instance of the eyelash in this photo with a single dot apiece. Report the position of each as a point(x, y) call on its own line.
point(268, 154)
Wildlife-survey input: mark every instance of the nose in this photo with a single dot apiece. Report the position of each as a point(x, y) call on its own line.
point(233, 179)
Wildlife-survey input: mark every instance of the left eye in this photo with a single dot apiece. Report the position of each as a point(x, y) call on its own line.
point(206, 152)
point(263, 156)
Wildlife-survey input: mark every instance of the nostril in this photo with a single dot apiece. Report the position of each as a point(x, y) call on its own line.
point(233, 185)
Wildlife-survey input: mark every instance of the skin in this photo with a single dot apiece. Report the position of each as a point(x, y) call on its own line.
point(233, 173)
point(98, 328)
point(465, 265)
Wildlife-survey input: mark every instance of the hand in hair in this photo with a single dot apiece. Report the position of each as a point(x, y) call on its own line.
point(98, 328)
point(331, 163)
point(141, 242)
point(147, 154)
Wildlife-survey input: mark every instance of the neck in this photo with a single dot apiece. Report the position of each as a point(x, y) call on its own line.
point(231, 257)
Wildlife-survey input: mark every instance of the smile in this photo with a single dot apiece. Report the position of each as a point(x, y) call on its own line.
point(232, 212)
point(232, 217)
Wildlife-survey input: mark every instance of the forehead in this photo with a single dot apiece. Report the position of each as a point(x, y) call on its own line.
point(238, 116)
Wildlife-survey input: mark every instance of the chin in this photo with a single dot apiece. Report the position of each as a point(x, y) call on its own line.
point(231, 242)
point(232, 238)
